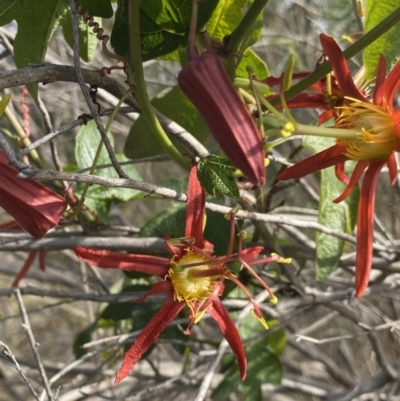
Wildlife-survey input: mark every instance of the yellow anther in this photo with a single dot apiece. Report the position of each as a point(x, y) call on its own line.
point(273, 299)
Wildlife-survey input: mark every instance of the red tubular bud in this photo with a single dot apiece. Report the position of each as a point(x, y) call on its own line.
point(206, 83)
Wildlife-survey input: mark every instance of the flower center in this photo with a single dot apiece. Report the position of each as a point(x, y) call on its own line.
point(375, 138)
point(188, 285)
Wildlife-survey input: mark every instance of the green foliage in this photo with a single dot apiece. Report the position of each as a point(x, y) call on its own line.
point(87, 38)
point(37, 20)
point(341, 216)
point(82, 338)
point(99, 198)
point(98, 8)
point(216, 175)
point(164, 25)
point(141, 141)
point(263, 364)
point(224, 20)
point(389, 43)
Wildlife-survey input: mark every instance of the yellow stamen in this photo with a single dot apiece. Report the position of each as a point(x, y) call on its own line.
point(376, 135)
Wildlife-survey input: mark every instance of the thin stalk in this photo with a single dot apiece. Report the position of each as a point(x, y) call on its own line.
point(136, 65)
point(24, 140)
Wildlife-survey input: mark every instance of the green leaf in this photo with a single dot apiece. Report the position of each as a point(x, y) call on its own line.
point(82, 338)
point(99, 198)
point(341, 216)
point(216, 175)
point(225, 18)
point(87, 38)
point(389, 43)
point(98, 8)
point(164, 25)
point(259, 68)
point(9, 9)
point(251, 391)
point(141, 141)
point(37, 21)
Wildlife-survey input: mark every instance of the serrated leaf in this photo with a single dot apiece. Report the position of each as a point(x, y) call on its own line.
point(37, 21)
point(87, 38)
point(99, 198)
point(389, 43)
point(141, 141)
point(216, 175)
point(341, 216)
point(164, 25)
point(98, 8)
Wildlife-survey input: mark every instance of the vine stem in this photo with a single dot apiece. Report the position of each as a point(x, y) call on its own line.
point(239, 33)
point(141, 95)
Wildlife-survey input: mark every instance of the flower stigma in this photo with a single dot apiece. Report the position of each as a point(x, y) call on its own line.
point(188, 286)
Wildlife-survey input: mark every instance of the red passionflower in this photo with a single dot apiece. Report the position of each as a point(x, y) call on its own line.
point(191, 277)
point(367, 131)
point(34, 207)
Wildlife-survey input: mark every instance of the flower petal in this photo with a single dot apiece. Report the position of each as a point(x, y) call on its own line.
point(365, 225)
point(327, 158)
point(392, 166)
point(124, 261)
point(33, 206)
point(380, 80)
point(389, 88)
point(205, 82)
point(149, 334)
point(359, 169)
point(340, 68)
point(25, 268)
point(229, 331)
point(195, 205)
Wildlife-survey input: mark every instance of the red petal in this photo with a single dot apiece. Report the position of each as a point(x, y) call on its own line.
point(389, 88)
point(340, 68)
point(149, 334)
point(359, 169)
point(25, 268)
point(206, 83)
point(157, 288)
point(34, 207)
point(392, 166)
point(380, 80)
point(327, 158)
point(229, 331)
point(340, 173)
point(124, 261)
point(365, 227)
point(42, 260)
point(195, 205)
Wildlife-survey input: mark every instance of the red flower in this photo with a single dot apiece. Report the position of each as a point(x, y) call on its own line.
point(366, 131)
point(34, 207)
point(205, 82)
point(191, 277)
